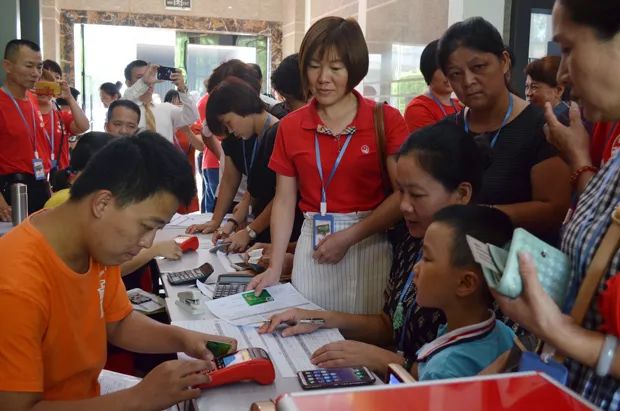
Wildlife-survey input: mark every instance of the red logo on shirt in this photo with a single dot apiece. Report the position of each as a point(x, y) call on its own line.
point(365, 149)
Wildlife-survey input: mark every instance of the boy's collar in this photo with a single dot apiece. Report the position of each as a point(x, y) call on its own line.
point(463, 334)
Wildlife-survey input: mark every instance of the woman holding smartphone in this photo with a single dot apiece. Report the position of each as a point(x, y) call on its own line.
point(328, 151)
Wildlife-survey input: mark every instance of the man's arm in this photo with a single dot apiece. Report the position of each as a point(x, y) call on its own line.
point(185, 115)
point(136, 91)
point(166, 385)
point(80, 122)
point(139, 333)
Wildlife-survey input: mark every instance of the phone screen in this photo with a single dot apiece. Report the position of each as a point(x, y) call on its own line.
point(393, 379)
point(335, 377)
point(236, 358)
point(164, 73)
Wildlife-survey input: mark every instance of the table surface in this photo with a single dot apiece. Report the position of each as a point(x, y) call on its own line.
point(232, 397)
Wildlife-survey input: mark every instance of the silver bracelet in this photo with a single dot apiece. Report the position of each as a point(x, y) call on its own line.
point(606, 357)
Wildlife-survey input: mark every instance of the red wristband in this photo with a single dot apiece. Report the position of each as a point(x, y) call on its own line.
point(577, 173)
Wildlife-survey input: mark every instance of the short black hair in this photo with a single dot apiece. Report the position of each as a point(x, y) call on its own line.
point(86, 147)
point(475, 33)
point(236, 68)
point(112, 89)
point(232, 95)
point(486, 224)
point(286, 78)
point(136, 168)
point(428, 61)
point(171, 95)
point(74, 92)
point(52, 66)
point(342, 36)
point(131, 66)
point(123, 103)
point(12, 47)
point(448, 154)
point(601, 15)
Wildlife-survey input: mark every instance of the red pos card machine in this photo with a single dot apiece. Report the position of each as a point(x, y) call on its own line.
point(187, 242)
point(249, 364)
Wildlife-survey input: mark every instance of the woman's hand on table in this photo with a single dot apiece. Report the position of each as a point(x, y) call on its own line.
point(349, 353)
point(291, 318)
point(263, 280)
point(206, 228)
point(239, 241)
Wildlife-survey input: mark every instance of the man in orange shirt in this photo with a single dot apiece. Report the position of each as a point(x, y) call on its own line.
point(62, 299)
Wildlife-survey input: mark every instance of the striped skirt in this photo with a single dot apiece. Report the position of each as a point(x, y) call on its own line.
point(356, 283)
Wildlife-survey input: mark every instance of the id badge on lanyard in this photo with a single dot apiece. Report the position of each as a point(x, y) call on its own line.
point(322, 226)
point(323, 223)
point(37, 168)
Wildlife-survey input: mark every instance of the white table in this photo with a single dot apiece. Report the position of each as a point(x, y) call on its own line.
point(232, 397)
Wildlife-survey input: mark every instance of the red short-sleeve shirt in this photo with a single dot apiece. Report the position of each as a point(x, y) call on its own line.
point(357, 184)
point(16, 138)
point(423, 111)
point(209, 160)
point(61, 143)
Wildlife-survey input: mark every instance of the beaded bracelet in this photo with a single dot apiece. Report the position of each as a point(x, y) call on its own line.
point(575, 176)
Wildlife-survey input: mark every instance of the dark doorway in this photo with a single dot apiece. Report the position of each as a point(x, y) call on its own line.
point(530, 35)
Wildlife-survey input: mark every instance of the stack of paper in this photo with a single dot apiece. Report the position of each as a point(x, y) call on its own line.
point(239, 309)
point(289, 354)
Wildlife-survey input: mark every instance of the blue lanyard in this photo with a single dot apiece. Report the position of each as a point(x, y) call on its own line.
point(580, 265)
point(245, 159)
point(440, 104)
point(504, 121)
point(33, 137)
point(50, 139)
point(403, 293)
point(319, 166)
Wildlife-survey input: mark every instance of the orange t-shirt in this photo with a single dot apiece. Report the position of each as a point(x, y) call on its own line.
point(53, 319)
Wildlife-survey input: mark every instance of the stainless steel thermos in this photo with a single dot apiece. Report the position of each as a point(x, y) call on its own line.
point(19, 202)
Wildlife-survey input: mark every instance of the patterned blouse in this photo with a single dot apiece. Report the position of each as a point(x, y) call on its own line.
point(582, 237)
point(423, 323)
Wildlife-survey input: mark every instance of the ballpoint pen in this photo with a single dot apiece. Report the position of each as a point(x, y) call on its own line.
point(311, 321)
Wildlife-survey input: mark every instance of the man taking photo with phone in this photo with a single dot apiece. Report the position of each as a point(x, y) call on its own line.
point(163, 118)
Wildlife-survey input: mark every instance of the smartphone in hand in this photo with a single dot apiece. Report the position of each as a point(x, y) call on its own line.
point(164, 73)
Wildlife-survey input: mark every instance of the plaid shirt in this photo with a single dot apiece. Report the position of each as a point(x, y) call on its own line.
point(581, 239)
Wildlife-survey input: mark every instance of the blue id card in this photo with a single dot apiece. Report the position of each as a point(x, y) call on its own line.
point(38, 169)
point(531, 361)
point(322, 226)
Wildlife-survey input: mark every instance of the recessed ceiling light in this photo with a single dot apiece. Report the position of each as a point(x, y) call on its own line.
point(230, 7)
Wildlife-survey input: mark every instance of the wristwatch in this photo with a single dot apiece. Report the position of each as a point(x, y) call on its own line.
point(251, 232)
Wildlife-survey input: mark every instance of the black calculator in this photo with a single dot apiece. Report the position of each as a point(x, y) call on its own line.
point(229, 284)
point(335, 377)
point(190, 276)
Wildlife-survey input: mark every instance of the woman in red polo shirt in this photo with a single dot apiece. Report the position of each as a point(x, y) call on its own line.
point(436, 102)
point(342, 257)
